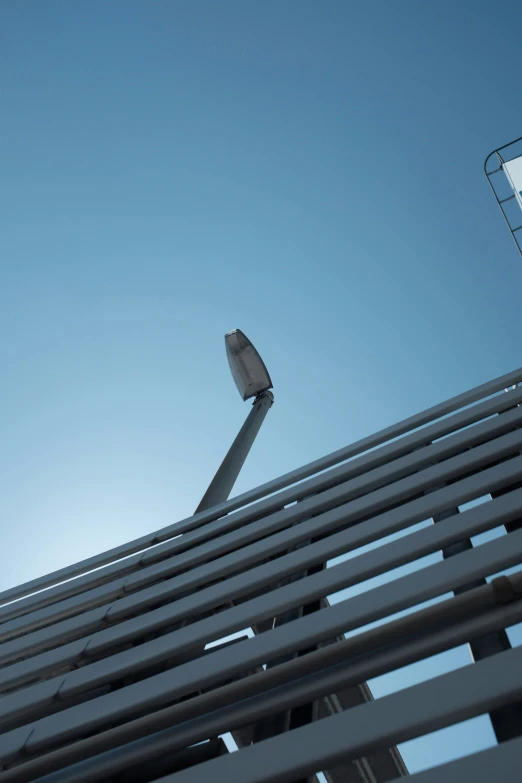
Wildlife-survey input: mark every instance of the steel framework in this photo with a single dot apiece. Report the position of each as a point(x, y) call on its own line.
point(106, 671)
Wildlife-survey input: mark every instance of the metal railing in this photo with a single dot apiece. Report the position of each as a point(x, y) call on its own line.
point(109, 668)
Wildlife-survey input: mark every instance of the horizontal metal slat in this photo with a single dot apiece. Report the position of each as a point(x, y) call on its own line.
point(366, 566)
point(373, 605)
point(353, 538)
point(360, 446)
point(370, 503)
point(360, 569)
point(500, 762)
point(65, 609)
point(61, 632)
point(114, 574)
point(391, 474)
point(396, 430)
point(50, 731)
point(240, 711)
point(48, 581)
point(423, 708)
point(159, 689)
point(32, 668)
point(386, 458)
point(321, 525)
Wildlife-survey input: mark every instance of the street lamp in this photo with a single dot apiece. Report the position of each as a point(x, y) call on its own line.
point(252, 380)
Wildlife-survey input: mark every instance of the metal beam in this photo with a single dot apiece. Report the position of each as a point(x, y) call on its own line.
point(423, 708)
point(371, 442)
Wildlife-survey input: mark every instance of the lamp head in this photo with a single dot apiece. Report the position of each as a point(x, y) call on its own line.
point(247, 367)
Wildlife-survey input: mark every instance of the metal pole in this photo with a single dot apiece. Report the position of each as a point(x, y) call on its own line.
point(227, 473)
point(507, 720)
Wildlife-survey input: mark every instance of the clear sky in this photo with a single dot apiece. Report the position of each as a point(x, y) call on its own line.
point(310, 172)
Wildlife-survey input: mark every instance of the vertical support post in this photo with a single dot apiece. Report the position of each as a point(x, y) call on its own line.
point(506, 721)
point(221, 485)
point(304, 713)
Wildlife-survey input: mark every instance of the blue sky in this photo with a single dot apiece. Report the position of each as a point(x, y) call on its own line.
point(310, 172)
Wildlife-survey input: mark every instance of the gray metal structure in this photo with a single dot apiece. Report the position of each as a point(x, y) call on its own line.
point(104, 673)
point(252, 380)
point(506, 200)
point(221, 485)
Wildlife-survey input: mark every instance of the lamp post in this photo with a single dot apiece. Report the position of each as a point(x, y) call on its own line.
point(252, 380)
